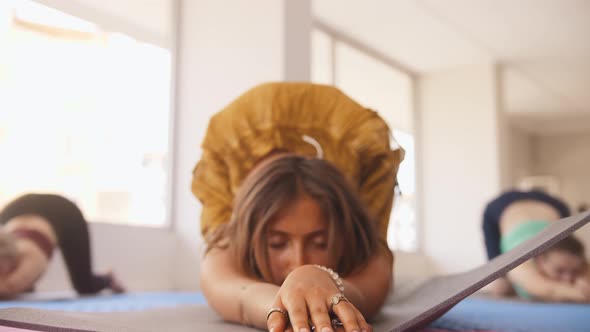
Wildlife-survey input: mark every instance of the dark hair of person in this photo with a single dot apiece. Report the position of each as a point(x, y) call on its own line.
point(571, 245)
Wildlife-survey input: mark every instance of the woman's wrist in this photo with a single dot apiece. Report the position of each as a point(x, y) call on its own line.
point(352, 293)
point(335, 277)
point(254, 301)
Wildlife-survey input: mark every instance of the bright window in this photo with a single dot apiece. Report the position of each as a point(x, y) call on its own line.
point(84, 113)
point(403, 233)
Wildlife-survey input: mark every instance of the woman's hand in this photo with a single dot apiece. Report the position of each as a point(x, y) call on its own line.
point(582, 284)
point(565, 292)
point(308, 295)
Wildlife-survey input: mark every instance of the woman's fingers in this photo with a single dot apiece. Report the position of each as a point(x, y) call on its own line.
point(295, 313)
point(298, 315)
point(277, 319)
point(318, 313)
point(365, 327)
point(348, 316)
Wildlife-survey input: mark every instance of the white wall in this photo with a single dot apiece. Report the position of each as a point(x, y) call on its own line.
point(461, 166)
point(563, 156)
point(566, 156)
point(139, 257)
point(521, 152)
point(375, 85)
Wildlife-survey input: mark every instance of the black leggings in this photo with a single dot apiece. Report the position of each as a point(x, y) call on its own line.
point(494, 210)
point(71, 230)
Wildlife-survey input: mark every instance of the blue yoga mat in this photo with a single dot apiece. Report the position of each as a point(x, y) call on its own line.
point(515, 316)
point(110, 303)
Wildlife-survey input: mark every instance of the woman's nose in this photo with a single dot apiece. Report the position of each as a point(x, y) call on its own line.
point(298, 257)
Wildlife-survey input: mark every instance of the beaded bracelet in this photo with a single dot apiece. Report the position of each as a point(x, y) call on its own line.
point(334, 276)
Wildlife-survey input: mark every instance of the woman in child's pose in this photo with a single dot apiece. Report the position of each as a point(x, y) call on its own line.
point(33, 226)
point(560, 273)
point(294, 239)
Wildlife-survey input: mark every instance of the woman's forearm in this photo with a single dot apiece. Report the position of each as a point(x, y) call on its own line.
point(255, 301)
point(539, 287)
point(234, 296)
point(552, 291)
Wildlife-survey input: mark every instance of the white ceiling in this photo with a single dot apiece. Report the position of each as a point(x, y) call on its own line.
point(543, 46)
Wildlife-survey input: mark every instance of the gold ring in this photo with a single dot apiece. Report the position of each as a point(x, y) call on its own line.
point(335, 299)
point(277, 309)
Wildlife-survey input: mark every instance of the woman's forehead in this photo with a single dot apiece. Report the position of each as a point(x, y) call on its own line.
point(301, 217)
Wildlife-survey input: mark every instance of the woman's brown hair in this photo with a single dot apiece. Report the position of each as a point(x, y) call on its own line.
point(570, 245)
point(272, 186)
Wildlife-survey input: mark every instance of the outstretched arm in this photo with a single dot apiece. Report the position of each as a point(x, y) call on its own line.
point(541, 288)
point(233, 295)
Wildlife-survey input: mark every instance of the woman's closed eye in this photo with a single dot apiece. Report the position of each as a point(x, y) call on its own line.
point(277, 242)
point(277, 245)
point(319, 243)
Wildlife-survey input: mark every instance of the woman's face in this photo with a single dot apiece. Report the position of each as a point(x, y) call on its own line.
point(298, 236)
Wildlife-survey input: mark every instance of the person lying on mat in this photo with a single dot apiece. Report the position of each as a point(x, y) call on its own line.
point(33, 226)
point(557, 275)
point(564, 262)
point(311, 177)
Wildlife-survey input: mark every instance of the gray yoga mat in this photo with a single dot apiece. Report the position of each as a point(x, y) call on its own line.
point(410, 310)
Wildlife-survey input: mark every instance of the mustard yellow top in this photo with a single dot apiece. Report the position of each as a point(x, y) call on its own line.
point(276, 116)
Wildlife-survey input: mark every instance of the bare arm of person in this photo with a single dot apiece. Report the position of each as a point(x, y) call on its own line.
point(540, 287)
point(31, 265)
point(236, 297)
point(499, 287)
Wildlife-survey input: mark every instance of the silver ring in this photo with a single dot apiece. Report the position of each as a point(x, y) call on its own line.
point(335, 299)
point(277, 309)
